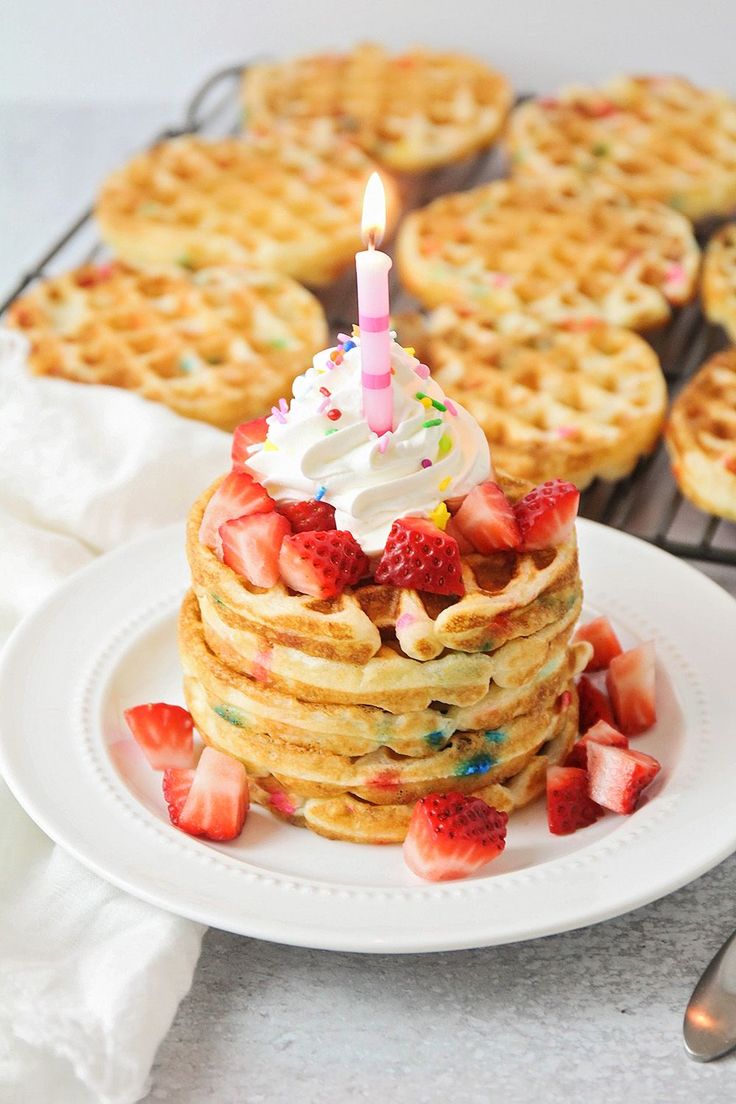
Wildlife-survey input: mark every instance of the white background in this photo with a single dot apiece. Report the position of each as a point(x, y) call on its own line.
point(157, 50)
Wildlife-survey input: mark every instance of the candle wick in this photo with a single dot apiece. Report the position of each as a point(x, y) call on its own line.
point(372, 238)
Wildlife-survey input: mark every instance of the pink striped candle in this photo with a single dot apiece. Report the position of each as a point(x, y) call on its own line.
point(372, 268)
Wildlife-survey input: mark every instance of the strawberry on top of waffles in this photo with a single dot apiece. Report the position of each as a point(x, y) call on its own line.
point(319, 500)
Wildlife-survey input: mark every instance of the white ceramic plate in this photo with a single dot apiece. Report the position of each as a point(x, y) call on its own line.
point(107, 640)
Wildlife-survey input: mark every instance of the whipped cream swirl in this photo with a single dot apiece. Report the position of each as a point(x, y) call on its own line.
point(432, 455)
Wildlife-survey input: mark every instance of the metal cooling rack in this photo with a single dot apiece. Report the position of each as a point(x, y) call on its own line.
point(647, 503)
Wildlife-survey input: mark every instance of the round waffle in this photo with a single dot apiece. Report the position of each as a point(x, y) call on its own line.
point(701, 436)
point(552, 403)
point(719, 279)
point(652, 138)
point(220, 345)
point(287, 200)
point(568, 257)
point(413, 111)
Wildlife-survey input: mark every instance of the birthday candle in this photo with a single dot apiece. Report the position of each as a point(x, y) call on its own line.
point(372, 268)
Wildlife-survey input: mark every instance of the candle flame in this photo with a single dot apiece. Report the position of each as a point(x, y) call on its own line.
point(373, 223)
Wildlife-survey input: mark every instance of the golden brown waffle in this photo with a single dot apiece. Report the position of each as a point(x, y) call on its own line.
point(719, 279)
point(412, 111)
point(221, 345)
point(288, 200)
point(552, 403)
point(701, 436)
point(652, 138)
point(568, 257)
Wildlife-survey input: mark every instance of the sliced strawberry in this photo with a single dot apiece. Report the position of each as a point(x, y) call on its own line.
point(452, 835)
point(617, 776)
point(218, 801)
point(593, 705)
point(165, 734)
point(306, 517)
point(487, 519)
point(453, 530)
point(600, 733)
point(251, 545)
point(247, 434)
point(546, 515)
point(237, 496)
point(631, 683)
point(322, 563)
point(418, 554)
point(569, 806)
point(176, 786)
point(605, 643)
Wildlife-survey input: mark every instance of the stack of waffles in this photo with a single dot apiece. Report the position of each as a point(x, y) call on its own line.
point(345, 711)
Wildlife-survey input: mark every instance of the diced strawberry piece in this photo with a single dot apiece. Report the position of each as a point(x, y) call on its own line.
point(600, 733)
point(593, 705)
point(630, 681)
point(487, 519)
point(247, 434)
point(218, 801)
point(617, 776)
point(176, 786)
point(165, 734)
point(605, 643)
point(237, 496)
point(546, 515)
point(306, 517)
point(322, 563)
point(453, 530)
point(251, 545)
point(419, 554)
point(569, 806)
point(452, 835)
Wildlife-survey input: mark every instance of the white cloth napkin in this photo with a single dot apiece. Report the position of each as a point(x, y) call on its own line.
point(90, 978)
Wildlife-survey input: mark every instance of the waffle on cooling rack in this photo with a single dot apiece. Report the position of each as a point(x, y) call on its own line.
point(346, 711)
point(412, 111)
point(567, 257)
point(220, 345)
point(553, 403)
point(288, 200)
point(719, 279)
point(701, 436)
point(657, 138)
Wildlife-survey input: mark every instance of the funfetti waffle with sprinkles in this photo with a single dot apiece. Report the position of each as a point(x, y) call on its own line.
point(286, 200)
point(568, 256)
point(701, 436)
point(719, 279)
point(652, 138)
point(375, 618)
point(553, 403)
point(412, 111)
point(219, 345)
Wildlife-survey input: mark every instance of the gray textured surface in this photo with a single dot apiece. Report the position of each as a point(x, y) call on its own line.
point(593, 1014)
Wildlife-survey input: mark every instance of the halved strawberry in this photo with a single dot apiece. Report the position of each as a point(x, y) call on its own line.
point(418, 554)
point(606, 646)
point(307, 517)
point(322, 563)
point(452, 835)
point(546, 515)
point(631, 683)
point(453, 530)
point(218, 801)
point(165, 734)
point(237, 496)
point(617, 776)
point(251, 545)
point(176, 785)
point(487, 519)
point(569, 806)
point(247, 434)
point(600, 733)
point(593, 705)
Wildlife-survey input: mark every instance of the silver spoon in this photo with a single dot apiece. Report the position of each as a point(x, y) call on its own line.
point(710, 1017)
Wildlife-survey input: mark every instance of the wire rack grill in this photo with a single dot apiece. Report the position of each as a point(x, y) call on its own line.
point(647, 503)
